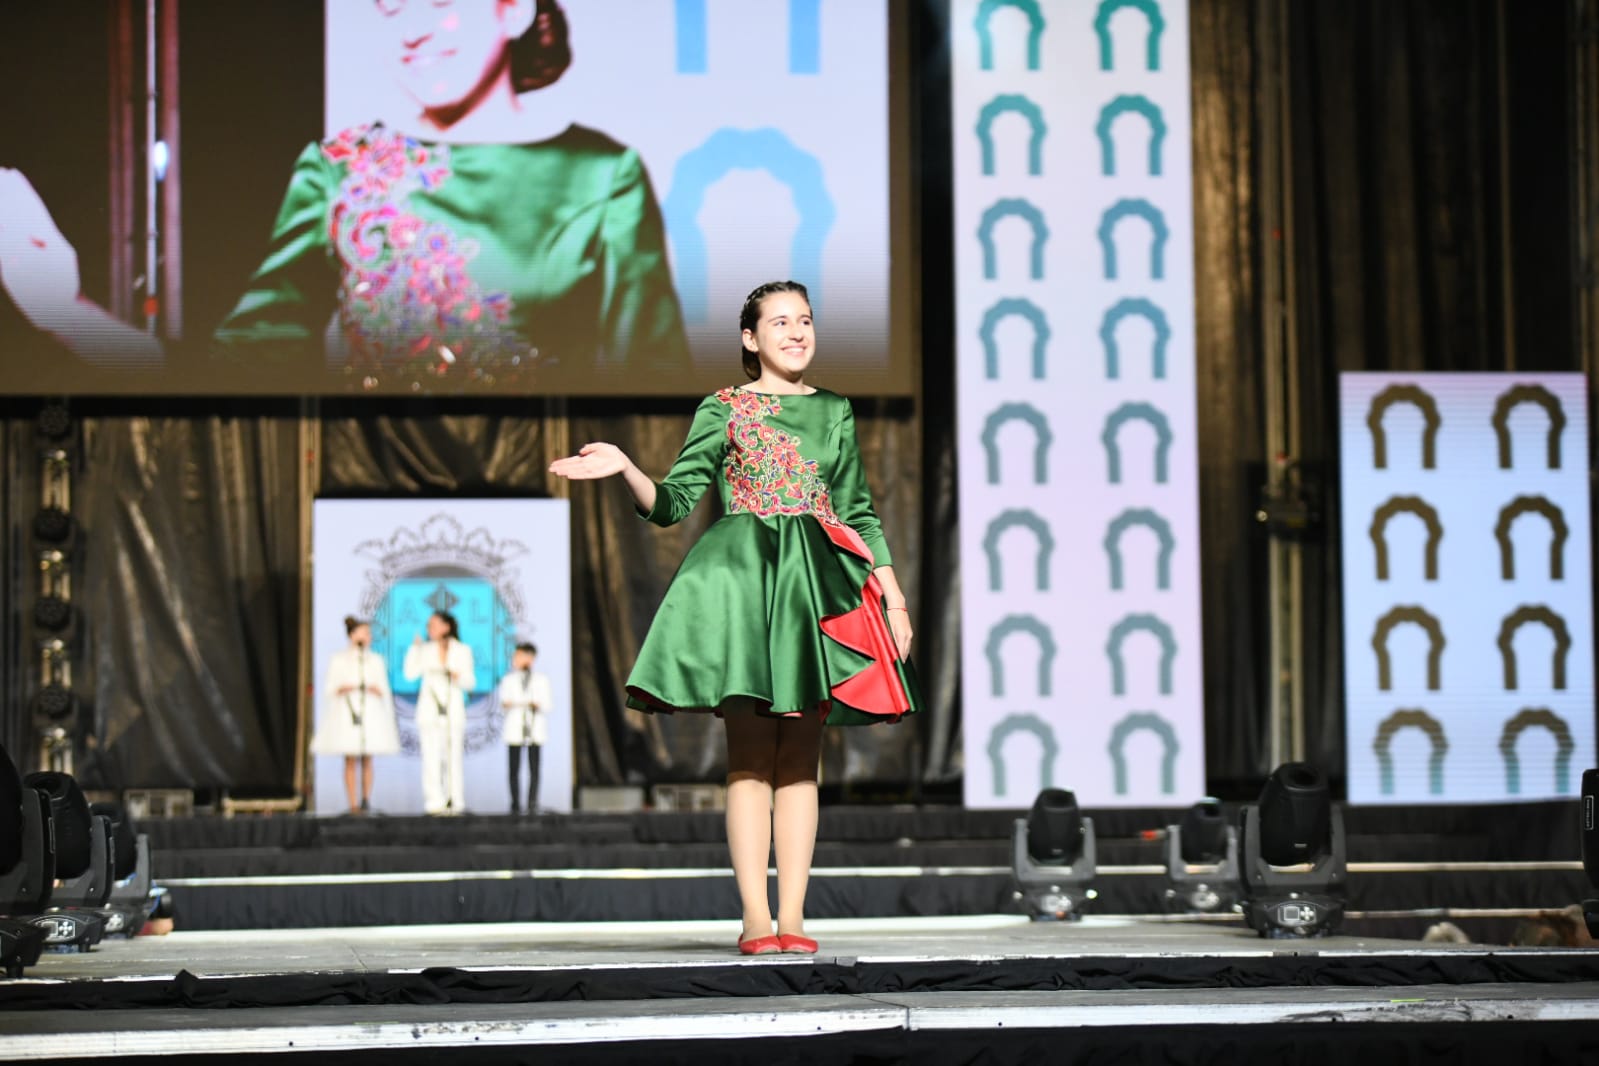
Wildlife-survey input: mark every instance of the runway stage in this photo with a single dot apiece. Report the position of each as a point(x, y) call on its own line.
point(968, 989)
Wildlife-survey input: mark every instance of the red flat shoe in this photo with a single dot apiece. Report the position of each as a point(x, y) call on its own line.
point(796, 945)
point(760, 945)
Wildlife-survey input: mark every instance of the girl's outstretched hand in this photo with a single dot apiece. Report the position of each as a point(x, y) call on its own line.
point(592, 461)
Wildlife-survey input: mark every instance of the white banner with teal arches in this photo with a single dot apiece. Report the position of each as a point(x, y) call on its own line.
point(1076, 402)
point(502, 567)
point(1468, 594)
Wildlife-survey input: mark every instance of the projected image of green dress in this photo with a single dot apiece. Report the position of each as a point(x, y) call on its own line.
point(777, 601)
point(471, 255)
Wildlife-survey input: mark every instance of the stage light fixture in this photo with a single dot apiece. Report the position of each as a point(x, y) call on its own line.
point(54, 705)
point(55, 529)
point(52, 614)
point(1293, 859)
point(54, 422)
point(1053, 858)
point(1590, 846)
point(1202, 861)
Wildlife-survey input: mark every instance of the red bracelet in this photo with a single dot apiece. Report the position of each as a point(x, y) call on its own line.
point(905, 609)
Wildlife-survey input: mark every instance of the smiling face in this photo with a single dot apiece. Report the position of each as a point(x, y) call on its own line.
point(446, 54)
point(361, 636)
point(784, 338)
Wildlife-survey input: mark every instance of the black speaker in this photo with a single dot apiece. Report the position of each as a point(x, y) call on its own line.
point(1295, 814)
point(69, 811)
point(1204, 833)
point(1055, 828)
point(1590, 825)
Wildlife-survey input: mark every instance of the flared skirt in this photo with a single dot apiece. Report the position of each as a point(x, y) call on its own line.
point(780, 610)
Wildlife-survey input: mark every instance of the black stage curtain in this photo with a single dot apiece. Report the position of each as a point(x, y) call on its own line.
point(190, 596)
point(1431, 230)
point(1430, 168)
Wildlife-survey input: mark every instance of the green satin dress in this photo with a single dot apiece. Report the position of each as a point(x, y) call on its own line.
point(777, 600)
point(551, 253)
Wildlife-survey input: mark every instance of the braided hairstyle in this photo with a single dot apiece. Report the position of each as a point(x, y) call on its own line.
point(750, 316)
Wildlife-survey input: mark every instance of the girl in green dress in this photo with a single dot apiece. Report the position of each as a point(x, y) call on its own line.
point(786, 614)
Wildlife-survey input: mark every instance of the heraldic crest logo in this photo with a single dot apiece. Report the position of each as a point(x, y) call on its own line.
point(440, 565)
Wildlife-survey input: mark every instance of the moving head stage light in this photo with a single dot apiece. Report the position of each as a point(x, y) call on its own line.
point(1294, 863)
point(1053, 858)
point(1202, 862)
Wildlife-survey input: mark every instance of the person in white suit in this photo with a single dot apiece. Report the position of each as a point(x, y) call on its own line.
point(358, 713)
point(526, 703)
point(445, 669)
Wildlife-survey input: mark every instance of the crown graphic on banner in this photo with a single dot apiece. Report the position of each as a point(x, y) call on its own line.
point(441, 540)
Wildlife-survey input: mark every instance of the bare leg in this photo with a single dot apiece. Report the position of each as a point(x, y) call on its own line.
point(751, 762)
point(799, 745)
point(366, 780)
point(349, 782)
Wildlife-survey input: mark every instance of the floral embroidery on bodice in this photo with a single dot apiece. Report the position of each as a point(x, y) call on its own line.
point(766, 474)
point(406, 291)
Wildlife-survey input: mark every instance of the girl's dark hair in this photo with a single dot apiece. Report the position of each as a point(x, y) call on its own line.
point(528, 647)
point(352, 623)
point(449, 620)
point(541, 55)
point(751, 315)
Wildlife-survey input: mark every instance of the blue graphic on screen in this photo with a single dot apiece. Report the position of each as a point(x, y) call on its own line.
point(804, 36)
point(486, 626)
point(723, 152)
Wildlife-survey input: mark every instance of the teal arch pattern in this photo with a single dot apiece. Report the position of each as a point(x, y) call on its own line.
point(1153, 723)
point(1002, 310)
point(1412, 718)
point(724, 151)
point(1540, 718)
point(1024, 107)
point(1135, 516)
point(1129, 104)
point(1007, 627)
point(1157, 26)
point(1022, 723)
point(1002, 524)
point(1134, 208)
point(1012, 207)
point(1140, 623)
point(1129, 308)
point(1137, 412)
point(1022, 412)
point(985, 39)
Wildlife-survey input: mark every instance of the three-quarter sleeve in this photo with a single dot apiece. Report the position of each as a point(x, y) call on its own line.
point(639, 311)
point(852, 496)
point(696, 465)
point(290, 299)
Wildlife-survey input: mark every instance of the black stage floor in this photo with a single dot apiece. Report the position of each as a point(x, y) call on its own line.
point(972, 989)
